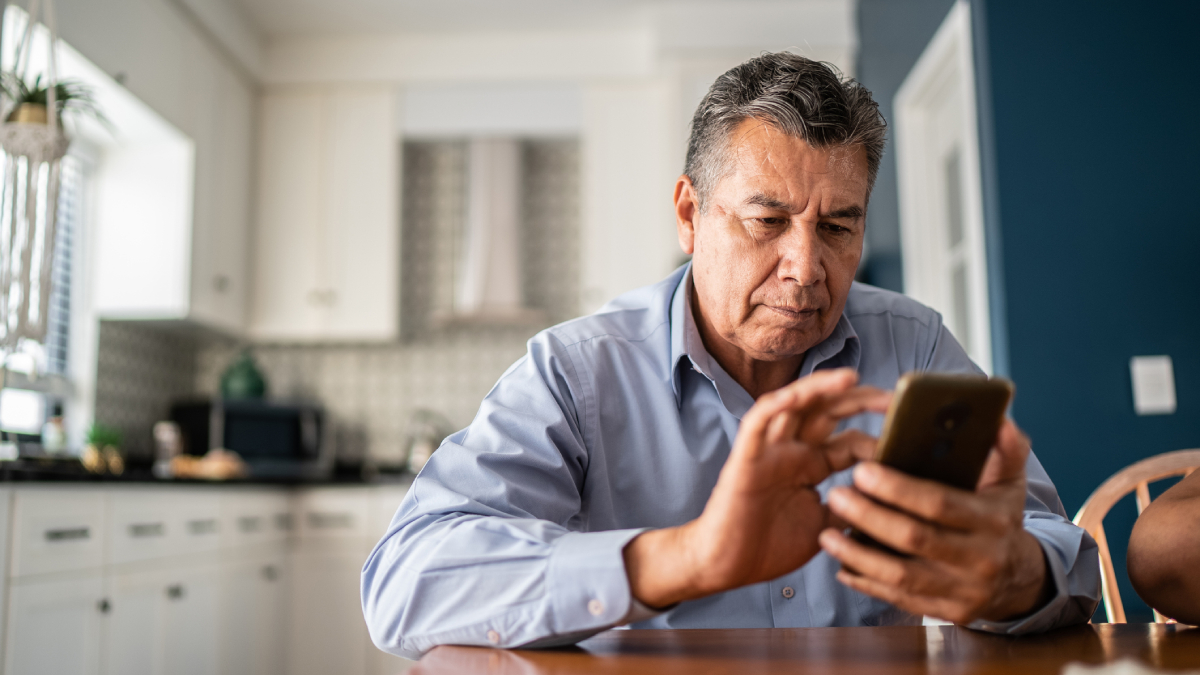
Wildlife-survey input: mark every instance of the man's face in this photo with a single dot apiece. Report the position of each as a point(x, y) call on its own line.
point(776, 249)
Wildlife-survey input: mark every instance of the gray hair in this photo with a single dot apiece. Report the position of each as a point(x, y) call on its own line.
point(807, 99)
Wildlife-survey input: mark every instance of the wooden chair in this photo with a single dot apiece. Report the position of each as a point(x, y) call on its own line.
point(1135, 477)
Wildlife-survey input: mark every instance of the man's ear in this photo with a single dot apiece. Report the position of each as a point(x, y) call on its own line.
point(687, 209)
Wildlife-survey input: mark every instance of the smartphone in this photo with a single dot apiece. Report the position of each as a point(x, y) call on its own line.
point(941, 427)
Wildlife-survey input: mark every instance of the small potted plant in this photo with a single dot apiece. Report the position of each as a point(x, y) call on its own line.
point(103, 451)
point(31, 100)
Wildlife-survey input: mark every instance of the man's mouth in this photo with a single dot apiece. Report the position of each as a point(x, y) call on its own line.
point(793, 313)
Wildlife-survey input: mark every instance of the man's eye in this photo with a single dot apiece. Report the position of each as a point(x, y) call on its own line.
point(837, 229)
point(773, 222)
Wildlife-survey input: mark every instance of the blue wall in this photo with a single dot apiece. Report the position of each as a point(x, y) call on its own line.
point(1094, 111)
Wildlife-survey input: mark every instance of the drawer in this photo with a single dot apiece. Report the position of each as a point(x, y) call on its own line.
point(254, 518)
point(197, 518)
point(332, 513)
point(141, 525)
point(57, 530)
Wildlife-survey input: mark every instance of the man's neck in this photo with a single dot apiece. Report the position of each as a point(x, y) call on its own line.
point(756, 376)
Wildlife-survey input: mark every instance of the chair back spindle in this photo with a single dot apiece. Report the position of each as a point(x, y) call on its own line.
point(1134, 478)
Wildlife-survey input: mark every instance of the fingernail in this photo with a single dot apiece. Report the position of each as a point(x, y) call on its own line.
point(866, 475)
point(837, 498)
point(827, 539)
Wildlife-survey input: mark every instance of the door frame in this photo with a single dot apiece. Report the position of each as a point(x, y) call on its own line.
point(950, 54)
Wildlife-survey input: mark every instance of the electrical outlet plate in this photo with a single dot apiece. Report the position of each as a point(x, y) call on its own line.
point(1153, 385)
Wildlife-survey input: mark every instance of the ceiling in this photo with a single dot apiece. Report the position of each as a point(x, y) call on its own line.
point(278, 18)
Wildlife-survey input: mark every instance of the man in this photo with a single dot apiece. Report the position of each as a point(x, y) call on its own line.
point(680, 458)
point(1164, 552)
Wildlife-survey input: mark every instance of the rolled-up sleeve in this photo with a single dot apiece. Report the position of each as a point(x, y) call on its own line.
point(1072, 558)
point(485, 548)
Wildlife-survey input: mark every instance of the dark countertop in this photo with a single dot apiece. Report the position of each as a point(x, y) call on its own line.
point(67, 471)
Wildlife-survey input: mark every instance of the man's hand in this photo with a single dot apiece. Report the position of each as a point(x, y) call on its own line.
point(971, 556)
point(764, 515)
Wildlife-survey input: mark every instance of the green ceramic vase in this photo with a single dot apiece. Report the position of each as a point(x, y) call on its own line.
point(242, 379)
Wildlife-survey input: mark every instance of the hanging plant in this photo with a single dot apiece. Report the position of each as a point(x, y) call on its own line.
point(34, 144)
point(30, 101)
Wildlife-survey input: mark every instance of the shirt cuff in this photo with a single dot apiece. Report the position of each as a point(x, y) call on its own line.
point(1042, 619)
point(638, 612)
point(588, 585)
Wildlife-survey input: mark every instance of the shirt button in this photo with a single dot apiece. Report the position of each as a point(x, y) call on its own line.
point(493, 637)
point(595, 607)
point(788, 592)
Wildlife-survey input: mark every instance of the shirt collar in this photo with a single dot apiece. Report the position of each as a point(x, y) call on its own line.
point(840, 349)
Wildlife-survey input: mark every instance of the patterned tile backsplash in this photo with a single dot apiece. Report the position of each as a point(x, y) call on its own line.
point(372, 392)
point(140, 369)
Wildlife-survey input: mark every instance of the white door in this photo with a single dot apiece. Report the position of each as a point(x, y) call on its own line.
point(327, 248)
point(134, 628)
point(255, 616)
point(941, 205)
point(5, 513)
point(191, 641)
point(361, 226)
point(222, 227)
point(288, 215)
point(54, 627)
point(328, 632)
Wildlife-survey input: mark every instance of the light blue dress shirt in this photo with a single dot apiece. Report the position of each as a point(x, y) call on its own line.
point(617, 422)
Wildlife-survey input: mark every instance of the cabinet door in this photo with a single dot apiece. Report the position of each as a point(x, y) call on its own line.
point(134, 629)
point(327, 250)
point(5, 512)
point(328, 633)
point(191, 639)
point(221, 227)
point(360, 228)
point(54, 627)
point(57, 530)
point(288, 216)
point(254, 616)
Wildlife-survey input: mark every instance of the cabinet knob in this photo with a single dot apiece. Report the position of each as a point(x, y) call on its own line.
point(270, 572)
point(175, 591)
point(103, 605)
point(221, 283)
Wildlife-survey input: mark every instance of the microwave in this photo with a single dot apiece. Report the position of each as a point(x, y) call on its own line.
point(276, 440)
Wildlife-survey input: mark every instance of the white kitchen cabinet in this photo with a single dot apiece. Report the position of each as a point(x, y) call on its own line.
point(163, 621)
point(134, 627)
point(326, 222)
point(192, 620)
point(57, 529)
point(220, 289)
point(172, 187)
point(159, 580)
point(328, 633)
point(5, 516)
point(54, 626)
point(255, 612)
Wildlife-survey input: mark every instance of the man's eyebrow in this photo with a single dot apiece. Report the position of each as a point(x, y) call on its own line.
point(759, 199)
point(846, 212)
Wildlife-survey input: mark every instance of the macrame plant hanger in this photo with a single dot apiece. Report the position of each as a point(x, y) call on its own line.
point(32, 166)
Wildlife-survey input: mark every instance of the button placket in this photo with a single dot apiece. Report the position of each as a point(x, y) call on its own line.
point(789, 605)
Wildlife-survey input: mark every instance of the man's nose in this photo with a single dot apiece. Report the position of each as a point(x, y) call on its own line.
point(801, 259)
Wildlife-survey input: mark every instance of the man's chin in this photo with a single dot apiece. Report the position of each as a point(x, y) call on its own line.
point(777, 347)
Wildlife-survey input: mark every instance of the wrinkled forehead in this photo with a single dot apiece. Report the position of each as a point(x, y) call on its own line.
point(756, 150)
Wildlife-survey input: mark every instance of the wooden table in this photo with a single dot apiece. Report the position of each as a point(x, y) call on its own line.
point(832, 651)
